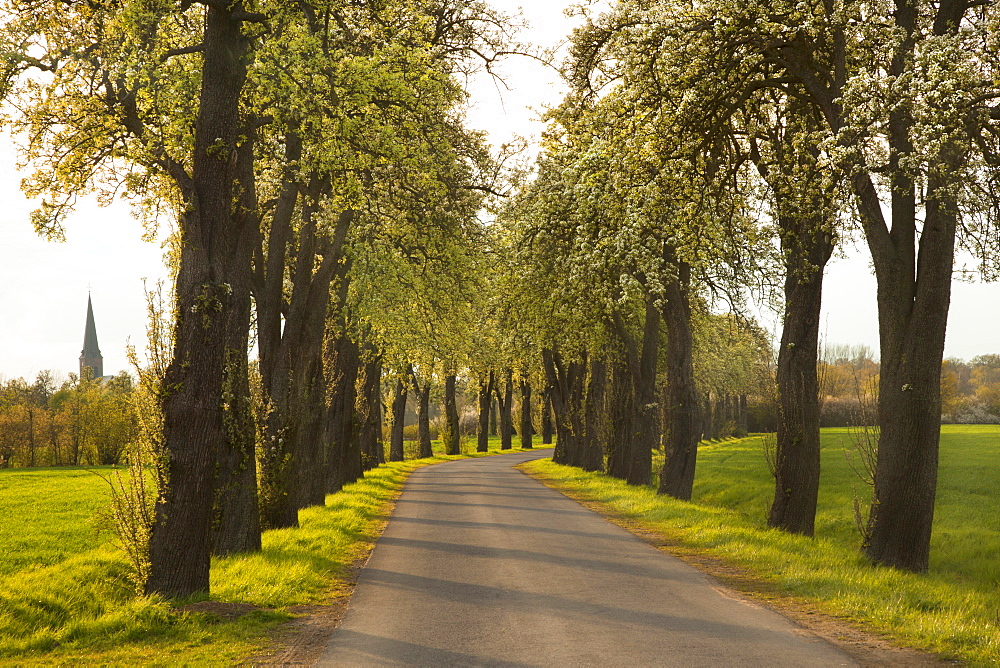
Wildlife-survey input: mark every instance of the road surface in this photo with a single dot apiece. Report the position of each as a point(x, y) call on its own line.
point(482, 565)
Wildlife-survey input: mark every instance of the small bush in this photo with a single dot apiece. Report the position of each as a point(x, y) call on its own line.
point(410, 432)
point(839, 412)
point(972, 413)
point(468, 422)
point(762, 418)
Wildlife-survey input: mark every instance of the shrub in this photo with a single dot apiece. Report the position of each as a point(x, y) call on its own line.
point(839, 412)
point(468, 422)
point(762, 418)
point(410, 432)
point(971, 413)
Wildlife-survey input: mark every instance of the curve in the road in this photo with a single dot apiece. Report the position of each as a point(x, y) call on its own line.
point(482, 565)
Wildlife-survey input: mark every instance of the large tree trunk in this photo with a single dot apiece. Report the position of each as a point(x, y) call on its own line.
point(577, 409)
point(547, 428)
point(485, 399)
point(913, 300)
point(505, 398)
point(707, 420)
point(620, 399)
point(563, 379)
point(641, 357)
point(807, 248)
point(450, 426)
point(210, 267)
point(592, 458)
point(306, 324)
point(343, 457)
point(914, 293)
point(236, 527)
point(805, 212)
point(423, 417)
point(398, 417)
point(526, 431)
point(369, 410)
point(683, 406)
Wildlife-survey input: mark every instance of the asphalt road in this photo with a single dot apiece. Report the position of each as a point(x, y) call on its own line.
point(481, 565)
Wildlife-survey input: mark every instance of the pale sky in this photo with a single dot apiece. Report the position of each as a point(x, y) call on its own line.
point(44, 285)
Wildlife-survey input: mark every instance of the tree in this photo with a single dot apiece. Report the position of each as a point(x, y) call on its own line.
point(449, 429)
point(485, 398)
point(398, 403)
point(90, 117)
point(525, 429)
point(213, 315)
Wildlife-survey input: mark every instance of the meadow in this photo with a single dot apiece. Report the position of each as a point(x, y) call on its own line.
point(67, 594)
point(951, 610)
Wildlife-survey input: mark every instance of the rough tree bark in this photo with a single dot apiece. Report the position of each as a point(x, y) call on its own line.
point(450, 426)
point(210, 267)
point(423, 416)
point(369, 409)
point(343, 456)
point(236, 524)
point(592, 457)
point(914, 293)
point(505, 400)
point(566, 381)
point(485, 399)
point(547, 428)
point(804, 209)
point(526, 430)
point(398, 417)
point(641, 357)
point(683, 405)
point(619, 414)
point(797, 459)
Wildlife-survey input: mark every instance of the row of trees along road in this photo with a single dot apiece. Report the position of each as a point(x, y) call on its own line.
point(326, 199)
point(80, 422)
point(323, 188)
point(706, 147)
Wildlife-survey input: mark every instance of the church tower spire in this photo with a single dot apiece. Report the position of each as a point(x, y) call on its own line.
point(90, 356)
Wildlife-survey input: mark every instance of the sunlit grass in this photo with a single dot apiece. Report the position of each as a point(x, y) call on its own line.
point(48, 515)
point(67, 595)
point(952, 610)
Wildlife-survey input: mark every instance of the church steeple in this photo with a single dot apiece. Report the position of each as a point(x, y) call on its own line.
point(91, 356)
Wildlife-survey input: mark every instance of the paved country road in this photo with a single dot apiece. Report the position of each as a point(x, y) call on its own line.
point(482, 565)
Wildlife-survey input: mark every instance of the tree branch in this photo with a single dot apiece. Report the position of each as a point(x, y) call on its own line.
point(180, 51)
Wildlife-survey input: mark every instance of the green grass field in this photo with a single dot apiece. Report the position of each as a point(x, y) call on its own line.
point(49, 515)
point(951, 610)
point(66, 594)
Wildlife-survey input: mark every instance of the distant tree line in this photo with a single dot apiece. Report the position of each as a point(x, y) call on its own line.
point(78, 422)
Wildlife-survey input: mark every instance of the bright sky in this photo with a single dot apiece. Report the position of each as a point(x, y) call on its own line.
point(44, 285)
